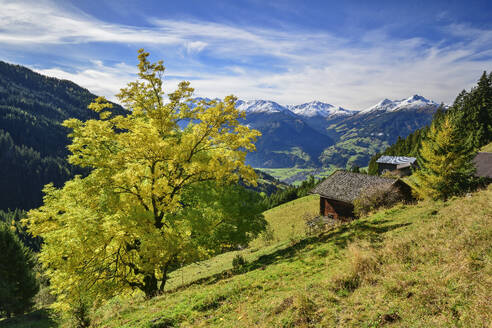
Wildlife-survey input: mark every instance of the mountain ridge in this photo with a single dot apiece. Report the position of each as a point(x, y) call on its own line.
point(318, 134)
point(323, 109)
point(388, 105)
point(318, 108)
point(314, 134)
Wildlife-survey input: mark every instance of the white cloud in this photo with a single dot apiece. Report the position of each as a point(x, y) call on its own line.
point(44, 23)
point(195, 46)
point(288, 66)
point(102, 80)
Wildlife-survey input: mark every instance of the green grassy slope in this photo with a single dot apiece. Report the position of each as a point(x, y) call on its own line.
point(428, 265)
point(487, 148)
point(425, 265)
point(287, 224)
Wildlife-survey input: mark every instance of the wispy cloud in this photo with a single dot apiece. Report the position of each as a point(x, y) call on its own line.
point(44, 23)
point(101, 79)
point(288, 66)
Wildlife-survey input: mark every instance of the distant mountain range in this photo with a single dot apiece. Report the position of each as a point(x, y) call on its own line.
point(413, 103)
point(310, 135)
point(318, 134)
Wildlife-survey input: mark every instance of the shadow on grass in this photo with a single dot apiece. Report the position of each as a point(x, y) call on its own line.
point(36, 319)
point(340, 236)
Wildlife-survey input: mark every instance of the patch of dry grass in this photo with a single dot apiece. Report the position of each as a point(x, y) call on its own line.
point(439, 275)
point(422, 265)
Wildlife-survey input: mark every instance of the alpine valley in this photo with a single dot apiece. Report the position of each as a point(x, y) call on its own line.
point(318, 134)
point(313, 135)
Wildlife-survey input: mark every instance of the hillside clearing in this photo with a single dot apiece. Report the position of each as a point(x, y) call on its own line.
point(286, 226)
point(425, 265)
point(413, 266)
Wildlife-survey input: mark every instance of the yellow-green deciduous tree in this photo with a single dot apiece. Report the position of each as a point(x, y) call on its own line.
point(162, 192)
point(445, 162)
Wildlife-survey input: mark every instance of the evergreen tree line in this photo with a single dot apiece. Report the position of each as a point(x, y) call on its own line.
point(285, 195)
point(32, 140)
point(470, 114)
point(13, 219)
point(18, 283)
point(25, 172)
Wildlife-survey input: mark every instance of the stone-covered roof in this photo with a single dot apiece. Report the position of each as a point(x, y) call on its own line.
point(483, 164)
point(347, 186)
point(396, 160)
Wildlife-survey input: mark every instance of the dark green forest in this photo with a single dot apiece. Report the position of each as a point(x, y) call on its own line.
point(289, 193)
point(474, 112)
point(32, 142)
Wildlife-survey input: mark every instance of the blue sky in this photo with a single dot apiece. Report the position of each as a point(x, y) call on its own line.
point(347, 53)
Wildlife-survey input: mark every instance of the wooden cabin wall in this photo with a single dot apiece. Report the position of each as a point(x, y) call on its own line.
point(336, 209)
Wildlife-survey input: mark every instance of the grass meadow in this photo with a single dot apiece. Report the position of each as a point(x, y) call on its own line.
point(425, 265)
point(422, 265)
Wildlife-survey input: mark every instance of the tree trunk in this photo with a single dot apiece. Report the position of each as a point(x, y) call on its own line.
point(150, 286)
point(150, 281)
point(164, 279)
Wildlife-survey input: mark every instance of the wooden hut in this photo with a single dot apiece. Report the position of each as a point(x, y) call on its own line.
point(397, 165)
point(339, 191)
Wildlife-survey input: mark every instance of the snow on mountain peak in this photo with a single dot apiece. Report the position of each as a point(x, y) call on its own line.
point(384, 102)
point(417, 97)
point(414, 101)
point(384, 105)
point(318, 108)
point(260, 106)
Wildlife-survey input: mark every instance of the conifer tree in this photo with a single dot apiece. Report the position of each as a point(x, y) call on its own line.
point(18, 283)
point(445, 162)
point(372, 168)
point(483, 110)
point(476, 108)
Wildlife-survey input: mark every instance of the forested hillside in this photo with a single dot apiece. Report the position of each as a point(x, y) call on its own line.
point(32, 141)
point(472, 111)
point(286, 141)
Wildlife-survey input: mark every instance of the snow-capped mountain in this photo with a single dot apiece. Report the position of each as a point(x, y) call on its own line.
point(286, 140)
point(413, 102)
point(416, 102)
point(261, 106)
point(317, 133)
point(318, 108)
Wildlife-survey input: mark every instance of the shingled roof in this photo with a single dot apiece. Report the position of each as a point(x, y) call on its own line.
point(347, 186)
point(483, 164)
